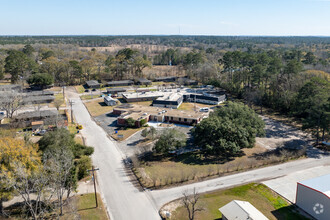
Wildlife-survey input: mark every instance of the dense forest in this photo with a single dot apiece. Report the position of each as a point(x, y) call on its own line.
point(287, 74)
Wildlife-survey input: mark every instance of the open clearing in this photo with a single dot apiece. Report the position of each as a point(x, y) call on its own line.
point(193, 167)
point(97, 107)
point(266, 201)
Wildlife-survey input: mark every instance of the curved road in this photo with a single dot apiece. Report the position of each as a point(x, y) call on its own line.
point(124, 201)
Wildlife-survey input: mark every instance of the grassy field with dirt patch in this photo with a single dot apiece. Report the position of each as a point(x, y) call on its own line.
point(188, 106)
point(125, 133)
point(266, 201)
point(97, 107)
point(83, 207)
point(190, 167)
point(80, 89)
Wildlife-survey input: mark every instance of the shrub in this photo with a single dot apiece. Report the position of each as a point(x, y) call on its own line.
point(82, 165)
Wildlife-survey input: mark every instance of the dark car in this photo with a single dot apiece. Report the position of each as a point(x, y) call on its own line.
point(94, 90)
point(86, 90)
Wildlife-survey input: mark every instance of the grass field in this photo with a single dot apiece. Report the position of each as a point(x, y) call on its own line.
point(126, 133)
point(260, 196)
point(84, 208)
point(97, 107)
point(187, 106)
point(87, 97)
point(80, 89)
point(191, 167)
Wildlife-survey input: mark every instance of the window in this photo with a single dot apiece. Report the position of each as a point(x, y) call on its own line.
point(185, 120)
point(171, 118)
point(179, 119)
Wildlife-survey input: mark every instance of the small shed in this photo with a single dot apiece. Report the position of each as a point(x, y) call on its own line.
point(110, 101)
point(36, 125)
point(313, 196)
point(143, 81)
point(120, 83)
point(241, 210)
point(93, 84)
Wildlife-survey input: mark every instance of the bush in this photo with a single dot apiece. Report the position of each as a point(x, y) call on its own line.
point(82, 165)
point(143, 122)
point(130, 122)
point(170, 140)
point(144, 133)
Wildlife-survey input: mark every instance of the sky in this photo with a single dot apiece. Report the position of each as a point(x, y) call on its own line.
point(166, 17)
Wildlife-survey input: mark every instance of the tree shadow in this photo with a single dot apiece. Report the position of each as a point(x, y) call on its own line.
point(190, 158)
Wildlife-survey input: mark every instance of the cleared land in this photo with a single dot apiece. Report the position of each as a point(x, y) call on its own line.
point(193, 167)
point(124, 134)
point(265, 200)
point(80, 89)
point(97, 107)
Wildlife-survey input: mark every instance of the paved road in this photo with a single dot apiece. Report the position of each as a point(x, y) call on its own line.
point(124, 201)
point(286, 186)
point(164, 196)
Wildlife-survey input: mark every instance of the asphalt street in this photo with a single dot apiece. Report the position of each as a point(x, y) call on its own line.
point(124, 201)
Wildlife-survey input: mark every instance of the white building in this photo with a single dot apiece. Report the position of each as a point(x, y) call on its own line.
point(313, 196)
point(241, 210)
point(110, 101)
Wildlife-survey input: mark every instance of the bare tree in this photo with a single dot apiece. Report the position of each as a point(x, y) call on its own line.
point(190, 203)
point(31, 186)
point(10, 102)
point(58, 103)
point(58, 162)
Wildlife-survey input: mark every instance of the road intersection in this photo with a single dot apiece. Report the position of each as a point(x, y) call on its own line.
point(125, 201)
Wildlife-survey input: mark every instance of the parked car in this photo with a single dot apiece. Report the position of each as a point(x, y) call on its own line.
point(206, 109)
point(79, 127)
point(93, 90)
point(86, 90)
point(42, 132)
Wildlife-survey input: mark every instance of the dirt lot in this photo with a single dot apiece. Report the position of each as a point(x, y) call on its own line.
point(279, 134)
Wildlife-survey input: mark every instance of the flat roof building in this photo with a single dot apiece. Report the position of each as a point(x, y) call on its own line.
point(116, 90)
point(120, 83)
point(142, 96)
point(110, 101)
point(313, 196)
point(93, 84)
point(169, 100)
point(241, 210)
point(160, 114)
point(166, 79)
point(10, 87)
point(205, 98)
point(143, 81)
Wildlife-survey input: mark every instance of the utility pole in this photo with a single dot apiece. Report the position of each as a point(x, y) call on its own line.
point(71, 103)
point(92, 170)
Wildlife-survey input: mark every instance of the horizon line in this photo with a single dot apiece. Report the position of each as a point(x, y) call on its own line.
point(156, 35)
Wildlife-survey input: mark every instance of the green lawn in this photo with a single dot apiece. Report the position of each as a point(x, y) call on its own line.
point(260, 196)
point(80, 89)
point(85, 209)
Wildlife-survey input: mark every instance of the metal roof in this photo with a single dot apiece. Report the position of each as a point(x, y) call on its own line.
point(93, 83)
point(321, 184)
point(120, 82)
point(241, 210)
point(142, 80)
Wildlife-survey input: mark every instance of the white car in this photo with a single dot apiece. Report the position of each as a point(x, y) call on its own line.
point(206, 109)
